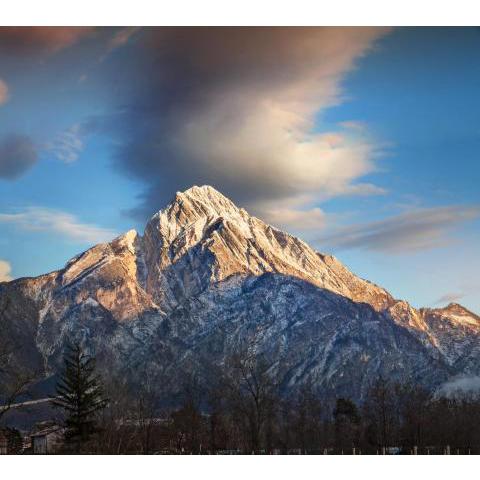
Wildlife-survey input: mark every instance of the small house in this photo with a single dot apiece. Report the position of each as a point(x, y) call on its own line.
point(47, 441)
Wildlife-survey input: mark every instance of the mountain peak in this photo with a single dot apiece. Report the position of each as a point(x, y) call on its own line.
point(196, 204)
point(201, 191)
point(454, 307)
point(216, 202)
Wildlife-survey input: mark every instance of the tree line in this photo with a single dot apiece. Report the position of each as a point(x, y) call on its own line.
point(242, 409)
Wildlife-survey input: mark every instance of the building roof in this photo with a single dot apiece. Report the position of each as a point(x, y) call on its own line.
point(48, 431)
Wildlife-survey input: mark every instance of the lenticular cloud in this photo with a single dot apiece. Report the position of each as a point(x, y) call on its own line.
point(223, 107)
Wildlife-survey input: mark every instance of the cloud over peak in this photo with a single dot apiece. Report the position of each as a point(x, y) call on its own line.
point(237, 108)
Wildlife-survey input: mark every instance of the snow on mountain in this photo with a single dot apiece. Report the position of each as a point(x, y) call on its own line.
point(203, 226)
point(457, 335)
point(205, 275)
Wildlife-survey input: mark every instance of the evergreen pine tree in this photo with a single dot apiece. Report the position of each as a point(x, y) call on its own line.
point(347, 423)
point(79, 393)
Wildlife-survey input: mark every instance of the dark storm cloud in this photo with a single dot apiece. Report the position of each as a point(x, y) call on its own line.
point(235, 108)
point(17, 155)
point(25, 40)
point(420, 229)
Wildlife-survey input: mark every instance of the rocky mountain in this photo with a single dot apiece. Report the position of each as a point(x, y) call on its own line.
point(206, 277)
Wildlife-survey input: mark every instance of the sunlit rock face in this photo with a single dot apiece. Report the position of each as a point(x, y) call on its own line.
point(205, 276)
point(202, 238)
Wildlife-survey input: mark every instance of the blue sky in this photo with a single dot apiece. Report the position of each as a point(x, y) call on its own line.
point(365, 142)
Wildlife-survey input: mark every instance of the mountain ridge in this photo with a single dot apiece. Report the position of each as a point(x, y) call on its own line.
point(195, 275)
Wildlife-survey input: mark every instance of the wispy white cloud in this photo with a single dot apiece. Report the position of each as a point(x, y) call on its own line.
point(119, 39)
point(68, 145)
point(38, 219)
point(419, 229)
point(3, 92)
point(122, 37)
point(5, 270)
point(354, 125)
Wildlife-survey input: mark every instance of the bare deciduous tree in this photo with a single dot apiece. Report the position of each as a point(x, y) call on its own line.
point(252, 394)
point(14, 379)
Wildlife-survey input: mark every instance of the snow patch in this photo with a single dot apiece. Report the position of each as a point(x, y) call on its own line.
point(91, 302)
